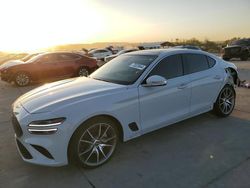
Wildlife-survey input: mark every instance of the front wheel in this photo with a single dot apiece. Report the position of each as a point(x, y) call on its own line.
point(94, 143)
point(225, 102)
point(22, 79)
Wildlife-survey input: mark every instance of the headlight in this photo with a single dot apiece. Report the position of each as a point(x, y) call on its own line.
point(45, 126)
point(47, 123)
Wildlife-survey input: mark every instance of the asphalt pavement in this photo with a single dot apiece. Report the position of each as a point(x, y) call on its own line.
point(205, 151)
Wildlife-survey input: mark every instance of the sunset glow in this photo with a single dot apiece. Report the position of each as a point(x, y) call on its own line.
point(34, 24)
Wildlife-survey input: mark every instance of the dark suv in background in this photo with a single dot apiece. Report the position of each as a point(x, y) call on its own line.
point(237, 49)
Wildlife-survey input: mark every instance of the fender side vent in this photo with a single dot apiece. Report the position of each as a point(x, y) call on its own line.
point(133, 126)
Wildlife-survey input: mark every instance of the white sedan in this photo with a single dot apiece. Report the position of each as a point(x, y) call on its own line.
point(100, 54)
point(81, 120)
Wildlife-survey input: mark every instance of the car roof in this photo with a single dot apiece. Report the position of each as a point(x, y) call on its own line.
point(62, 52)
point(169, 51)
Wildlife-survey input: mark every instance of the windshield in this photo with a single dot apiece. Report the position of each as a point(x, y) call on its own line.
point(125, 69)
point(26, 58)
point(34, 58)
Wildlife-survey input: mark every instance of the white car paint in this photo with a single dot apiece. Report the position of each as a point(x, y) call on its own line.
point(100, 53)
point(82, 98)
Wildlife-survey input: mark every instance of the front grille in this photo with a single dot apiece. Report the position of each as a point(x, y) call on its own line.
point(16, 126)
point(25, 153)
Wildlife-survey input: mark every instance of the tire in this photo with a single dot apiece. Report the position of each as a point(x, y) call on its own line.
point(22, 79)
point(94, 143)
point(225, 102)
point(226, 58)
point(83, 72)
point(244, 58)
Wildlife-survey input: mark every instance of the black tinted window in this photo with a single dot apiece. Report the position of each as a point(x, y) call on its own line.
point(125, 69)
point(170, 67)
point(103, 51)
point(194, 63)
point(211, 61)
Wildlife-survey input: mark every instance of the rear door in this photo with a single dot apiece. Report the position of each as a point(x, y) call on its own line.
point(167, 104)
point(206, 80)
point(67, 64)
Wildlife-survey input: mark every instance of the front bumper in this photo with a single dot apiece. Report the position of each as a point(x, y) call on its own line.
point(5, 77)
point(46, 149)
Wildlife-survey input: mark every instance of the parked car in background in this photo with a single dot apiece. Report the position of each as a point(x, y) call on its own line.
point(48, 66)
point(188, 47)
point(149, 46)
point(12, 57)
point(82, 120)
point(237, 49)
point(28, 57)
point(108, 58)
point(11, 63)
point(100, 54)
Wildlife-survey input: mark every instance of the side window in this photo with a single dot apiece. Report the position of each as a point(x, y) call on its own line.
point(97, 51)
point(194, 63)
point(50, 58)
point(170, 67)
point(66, 57)
point(211, 62)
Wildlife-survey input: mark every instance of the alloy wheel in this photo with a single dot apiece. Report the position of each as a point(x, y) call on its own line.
point(83, 72)
point(22, 79)
point(226, 100)
point(97, 144)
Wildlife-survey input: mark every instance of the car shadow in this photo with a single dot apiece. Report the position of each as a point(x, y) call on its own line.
point(186, 154)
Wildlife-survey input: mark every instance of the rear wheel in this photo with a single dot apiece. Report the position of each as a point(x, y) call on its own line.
point(83, 72)
point(226, 58)
point(244, 57)
point(225, 102)
point(94, 143)
point(22, 79)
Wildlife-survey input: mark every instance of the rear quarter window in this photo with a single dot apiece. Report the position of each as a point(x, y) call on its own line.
point(211, 62)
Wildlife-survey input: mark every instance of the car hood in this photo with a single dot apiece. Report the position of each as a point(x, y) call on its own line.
point(10, 63)
point(52, 96)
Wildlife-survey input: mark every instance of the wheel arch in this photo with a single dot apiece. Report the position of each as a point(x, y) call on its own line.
point(119, 126)
point(234, 75)
point(83, 66)
point(31, 77)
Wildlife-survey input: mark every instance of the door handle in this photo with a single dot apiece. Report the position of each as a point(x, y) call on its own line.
point(217, 77)
point(183, 86)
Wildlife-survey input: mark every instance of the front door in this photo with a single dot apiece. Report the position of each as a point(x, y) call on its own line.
point(163, 105)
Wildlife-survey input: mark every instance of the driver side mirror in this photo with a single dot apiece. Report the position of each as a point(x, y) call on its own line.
point(154, 81)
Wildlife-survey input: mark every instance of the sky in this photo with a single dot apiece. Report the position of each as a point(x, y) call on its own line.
point(27, 25)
